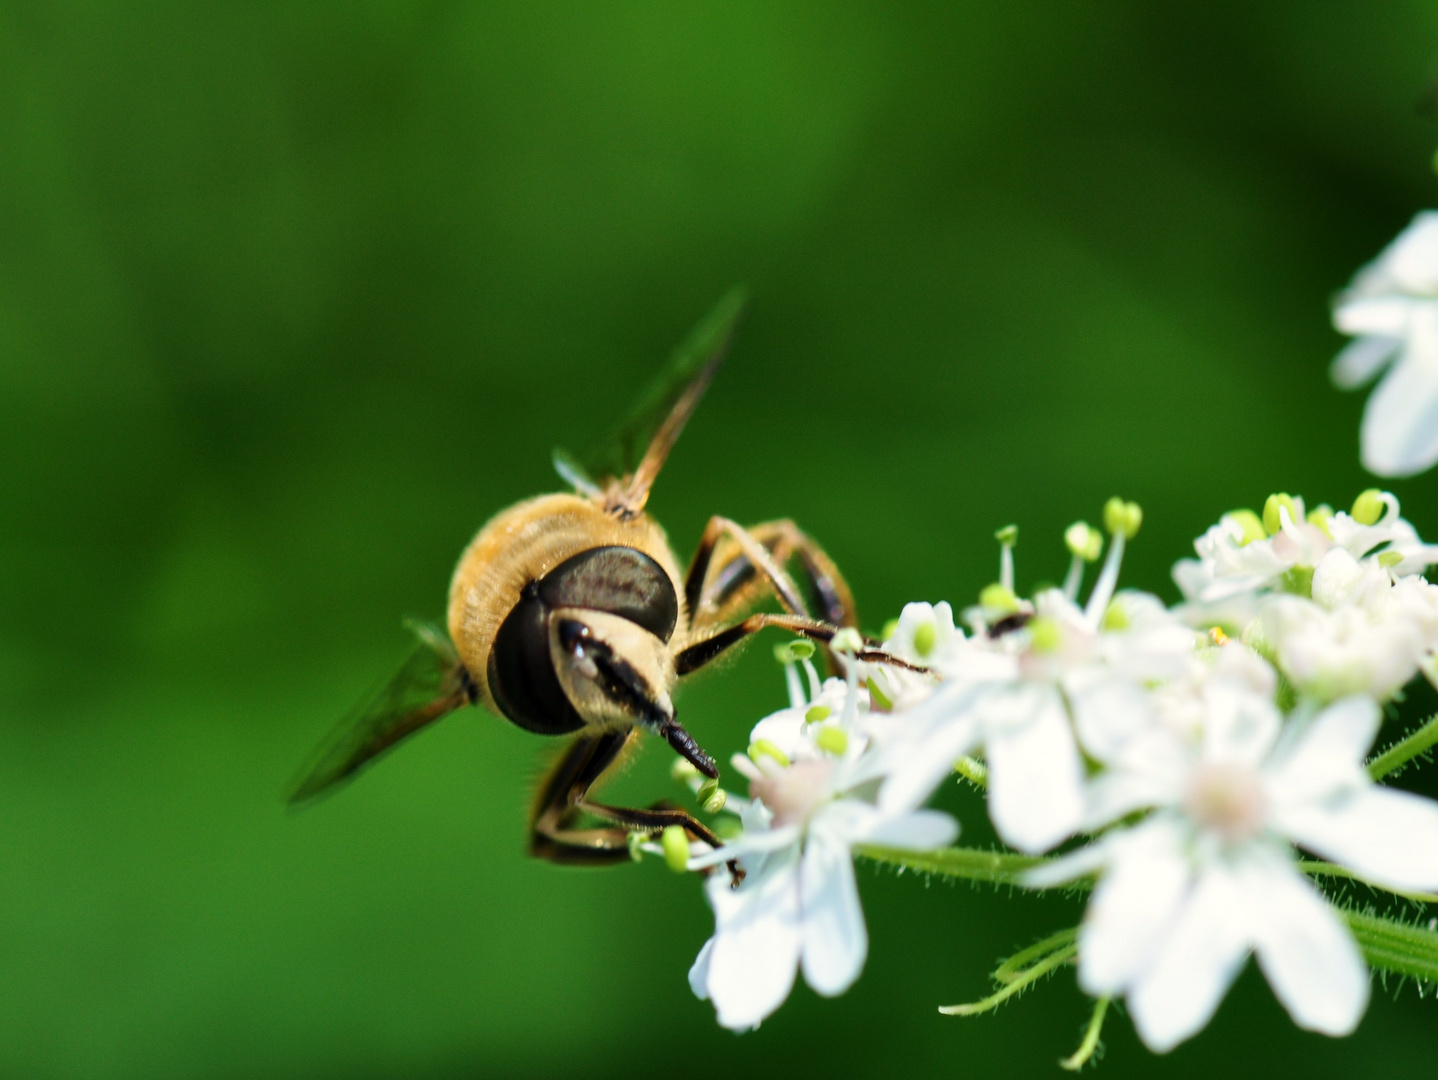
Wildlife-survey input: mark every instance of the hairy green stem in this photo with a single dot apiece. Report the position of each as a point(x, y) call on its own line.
point(1014, 967)
point(1317, 869)
point(972, 864)
point(1405, 750)
point(1081, 1057)
point(1023, 981)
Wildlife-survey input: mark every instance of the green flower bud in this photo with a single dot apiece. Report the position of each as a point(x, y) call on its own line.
point(1319, 516)
point(832, 740)
point(764, 748)
point(675, 842)
point(1368, 507)
point(1282, 500)
point(925, 636)
point(1008, 535)
point(998, 598)
point(817, 713)
point(1250, 523)
point(1122, 517)
point(1045, 635)
point(1083, 540)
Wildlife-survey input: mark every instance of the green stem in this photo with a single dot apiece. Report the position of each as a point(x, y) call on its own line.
point(1028, 977)
point(1080, 1057)
point(1396, 947)
point(1013, 968)
point(1317, 869)
point(973, 770)
point(972, 864)
point(1405, 750)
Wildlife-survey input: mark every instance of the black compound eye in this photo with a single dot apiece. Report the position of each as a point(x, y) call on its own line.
point(521, 673)
point(620, 580)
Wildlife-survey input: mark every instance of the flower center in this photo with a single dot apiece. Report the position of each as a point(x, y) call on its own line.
point(1228, 799)
point(794, 793)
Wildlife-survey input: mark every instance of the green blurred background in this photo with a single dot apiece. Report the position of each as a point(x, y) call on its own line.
point(294, 295)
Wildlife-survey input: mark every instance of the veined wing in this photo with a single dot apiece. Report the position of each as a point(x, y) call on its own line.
point(635, 450)
point(431, 683)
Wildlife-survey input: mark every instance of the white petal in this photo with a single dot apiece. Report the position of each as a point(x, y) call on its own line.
point(1196, 964)
point(1108, 715)
point(944, 728)
point(699, 972)
point(1400, 420)
point(922, 830)
point(1362, 359)
point(756, 945)
point(1383, 315)
point(1328, 756)
point(1133, 907)
point(1412, 259)
point(758, 842)
point(1035, 779)
point(835, 940)
point(1310, 958)
point(1242, 726)
point(1081, 862)
point(1389, 837)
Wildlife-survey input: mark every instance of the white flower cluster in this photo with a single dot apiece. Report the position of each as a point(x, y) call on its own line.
point(1189, 763)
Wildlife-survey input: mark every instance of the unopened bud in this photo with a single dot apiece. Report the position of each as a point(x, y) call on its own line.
point(675, 842)
point(1368, 507)
point(1121, 517)
point(1045, 635)
point(1083, 540)
point(1319, 516)
point(998, 598)
point(925, 636)
point(764, 748)
point(832, 740)
point(1272, 520)
point(1250, 523)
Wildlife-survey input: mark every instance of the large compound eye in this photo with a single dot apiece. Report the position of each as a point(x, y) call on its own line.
point(620, 580)
point(521, 673)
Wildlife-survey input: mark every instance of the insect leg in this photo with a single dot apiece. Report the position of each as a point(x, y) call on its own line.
point(562, 799)
point(701, 653)
point(750, 551)
point(732, 585)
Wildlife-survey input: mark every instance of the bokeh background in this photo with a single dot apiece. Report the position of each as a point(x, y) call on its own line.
point(294, 295)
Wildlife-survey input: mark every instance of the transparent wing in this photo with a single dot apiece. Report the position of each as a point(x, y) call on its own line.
point(637, 447)
point(430, 684)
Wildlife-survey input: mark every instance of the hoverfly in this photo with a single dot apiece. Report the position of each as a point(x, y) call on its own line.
point(569, 615)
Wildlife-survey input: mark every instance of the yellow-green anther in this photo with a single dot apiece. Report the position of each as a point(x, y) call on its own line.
point(764, 748)
point(791, 651)
point(636, 840)
point(997, 598)
point(1115, 617)
point(675, 842)
point(879, 699)
point(890, 629)
point(1369, 507)
point(781, 653)
point(1122, 517)
point(1389, 558)
point(925, 635)
point(832, 740)
point(1008, 535)
point(1083, 540)
point(682, 769)
point(847, 640)
point(817, 713)
point(1045, 635)
point(1272, 522)
point(1319, 516)
point(1250, 523)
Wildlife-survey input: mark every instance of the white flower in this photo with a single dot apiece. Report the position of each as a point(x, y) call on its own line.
point(924, 634)
point(1187, 893)
point(1392, 307)
point(798, 907)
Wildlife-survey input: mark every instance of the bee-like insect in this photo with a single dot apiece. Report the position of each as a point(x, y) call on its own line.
point(569, 615)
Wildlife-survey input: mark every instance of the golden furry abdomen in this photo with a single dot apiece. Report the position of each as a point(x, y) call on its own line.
point(522, 544)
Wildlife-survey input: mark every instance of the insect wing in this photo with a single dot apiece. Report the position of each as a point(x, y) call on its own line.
point(430, 684)
point(654, 422)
